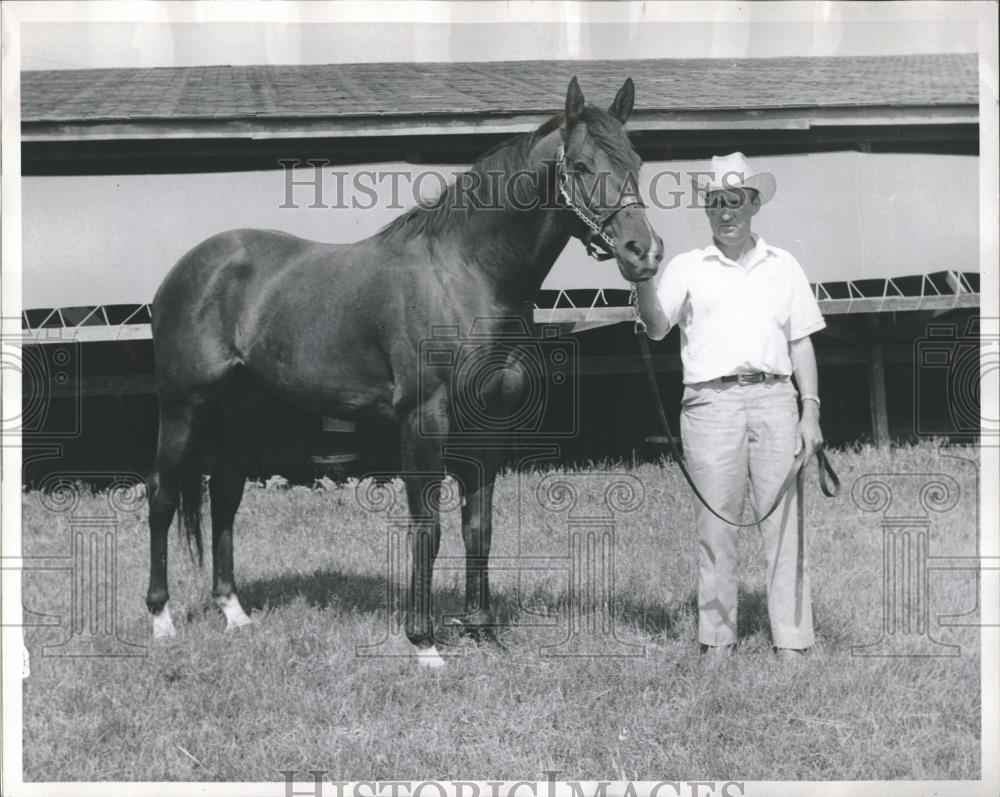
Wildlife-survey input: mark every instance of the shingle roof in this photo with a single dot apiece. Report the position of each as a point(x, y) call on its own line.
point(488, 88)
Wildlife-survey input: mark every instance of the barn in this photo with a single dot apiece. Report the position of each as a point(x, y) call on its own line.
point(124, 170)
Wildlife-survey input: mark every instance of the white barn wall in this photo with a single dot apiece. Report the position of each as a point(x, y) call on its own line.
point(845, 215)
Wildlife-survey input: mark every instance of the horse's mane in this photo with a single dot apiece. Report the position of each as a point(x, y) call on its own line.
point(446, 211)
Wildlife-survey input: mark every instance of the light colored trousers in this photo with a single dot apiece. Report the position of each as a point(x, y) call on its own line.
point(735, 437)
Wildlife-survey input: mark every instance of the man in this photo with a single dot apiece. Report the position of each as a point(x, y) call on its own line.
point(746, 313)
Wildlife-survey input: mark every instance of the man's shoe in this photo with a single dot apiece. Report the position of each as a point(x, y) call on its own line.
point(791, 655)
point(714, 655)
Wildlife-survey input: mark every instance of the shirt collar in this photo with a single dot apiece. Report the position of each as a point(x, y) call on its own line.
point(761, 250)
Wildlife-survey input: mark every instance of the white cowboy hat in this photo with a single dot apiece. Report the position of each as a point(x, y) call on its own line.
point(734, 171)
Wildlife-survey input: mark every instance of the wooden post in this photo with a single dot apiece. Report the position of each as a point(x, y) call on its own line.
point(876, 383)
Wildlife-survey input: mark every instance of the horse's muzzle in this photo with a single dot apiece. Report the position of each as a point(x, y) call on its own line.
point(639, 254)
point(637, 264)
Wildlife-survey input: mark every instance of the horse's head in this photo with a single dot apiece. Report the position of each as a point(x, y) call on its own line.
point(599, 181)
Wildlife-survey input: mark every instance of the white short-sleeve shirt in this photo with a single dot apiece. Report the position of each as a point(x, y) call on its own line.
point(735, 317)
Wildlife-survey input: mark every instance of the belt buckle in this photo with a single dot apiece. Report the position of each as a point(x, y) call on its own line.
point(754, 378)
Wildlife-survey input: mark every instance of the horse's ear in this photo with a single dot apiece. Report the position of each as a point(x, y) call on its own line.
point(574, 103)
point(621, 108)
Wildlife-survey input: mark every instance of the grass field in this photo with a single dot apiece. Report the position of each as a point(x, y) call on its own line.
point(290, 693)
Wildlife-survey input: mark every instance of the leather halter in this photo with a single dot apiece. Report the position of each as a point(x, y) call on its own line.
point(603, 248)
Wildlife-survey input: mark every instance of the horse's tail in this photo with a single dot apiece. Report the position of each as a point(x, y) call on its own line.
point(189, 514)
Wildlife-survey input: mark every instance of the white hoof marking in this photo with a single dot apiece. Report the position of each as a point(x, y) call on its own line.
point(235, 616)
point(163, 625)
point(429, 658)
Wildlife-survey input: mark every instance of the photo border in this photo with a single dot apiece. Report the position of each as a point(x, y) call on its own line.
point(15, 14)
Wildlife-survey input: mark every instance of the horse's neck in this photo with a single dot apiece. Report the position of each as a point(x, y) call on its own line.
point(516, 247)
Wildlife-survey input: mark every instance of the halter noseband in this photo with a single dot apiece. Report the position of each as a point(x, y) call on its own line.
point(595, 223)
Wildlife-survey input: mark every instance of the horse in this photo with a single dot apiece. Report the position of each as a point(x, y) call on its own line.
point(336, 329)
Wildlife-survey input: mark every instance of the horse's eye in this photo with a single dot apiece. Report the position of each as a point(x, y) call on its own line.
point(582, 167)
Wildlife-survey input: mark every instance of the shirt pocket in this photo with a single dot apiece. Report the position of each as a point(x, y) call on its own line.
point(776, 298)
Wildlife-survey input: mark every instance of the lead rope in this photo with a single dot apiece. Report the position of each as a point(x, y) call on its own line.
point(638, 325)
point(800, 555)
point(825, 469)
point(796, 474)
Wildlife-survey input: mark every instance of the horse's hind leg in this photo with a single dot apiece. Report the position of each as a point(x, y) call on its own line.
point(243, 405)
point(172, 471)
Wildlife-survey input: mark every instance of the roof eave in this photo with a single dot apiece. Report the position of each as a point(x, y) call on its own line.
point(261, 127)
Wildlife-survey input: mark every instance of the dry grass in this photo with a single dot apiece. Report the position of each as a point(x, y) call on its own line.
point(292, 694)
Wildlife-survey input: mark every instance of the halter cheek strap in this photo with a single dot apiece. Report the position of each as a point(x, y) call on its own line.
point(603, 248)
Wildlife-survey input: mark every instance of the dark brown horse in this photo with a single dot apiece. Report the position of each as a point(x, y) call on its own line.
point(336, 329)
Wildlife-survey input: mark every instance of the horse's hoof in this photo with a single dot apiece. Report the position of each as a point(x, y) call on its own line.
point(429, 658)
point(236, 625)
point(487, 638)
point(492, 641)
point(235, 616)
point(474, 623)
point(164, 633)
point(481, 629)
point(163, 625)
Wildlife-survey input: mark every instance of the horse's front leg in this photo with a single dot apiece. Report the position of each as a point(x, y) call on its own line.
point(477, 476)
point(423, 470)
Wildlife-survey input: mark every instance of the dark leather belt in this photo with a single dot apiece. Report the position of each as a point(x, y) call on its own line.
point(752, 378)
point(828, 481)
